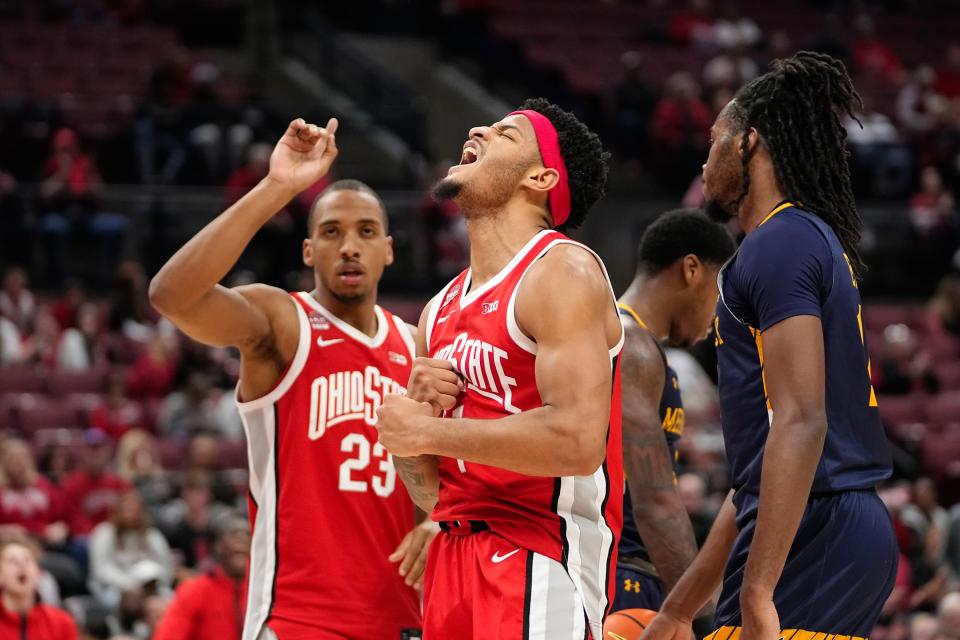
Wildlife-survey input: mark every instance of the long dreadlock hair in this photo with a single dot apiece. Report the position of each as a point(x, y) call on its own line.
point(796, 108)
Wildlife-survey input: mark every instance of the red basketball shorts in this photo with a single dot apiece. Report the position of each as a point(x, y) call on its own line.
point(480, 586)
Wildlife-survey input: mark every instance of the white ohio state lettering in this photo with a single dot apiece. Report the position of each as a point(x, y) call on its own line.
point(482, 366)
point(348, 395)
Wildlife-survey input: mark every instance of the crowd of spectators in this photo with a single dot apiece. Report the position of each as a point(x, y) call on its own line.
point(123, 502)
point(122, 474)
point(910, 120)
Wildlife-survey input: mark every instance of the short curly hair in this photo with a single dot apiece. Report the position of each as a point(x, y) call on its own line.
point(583, 155)
point(681, 232)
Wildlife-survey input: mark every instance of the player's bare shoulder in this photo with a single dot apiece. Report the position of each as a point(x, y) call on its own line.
point(568, 278)
point(277, 305)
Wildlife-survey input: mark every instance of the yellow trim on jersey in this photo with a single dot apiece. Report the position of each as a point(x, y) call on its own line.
point(758, 337)
point(776, 211)
point(633, 314)
point(733, 633)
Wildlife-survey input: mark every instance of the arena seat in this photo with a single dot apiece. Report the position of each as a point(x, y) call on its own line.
point(20, 379)
point(63, 383)
point(35, 411)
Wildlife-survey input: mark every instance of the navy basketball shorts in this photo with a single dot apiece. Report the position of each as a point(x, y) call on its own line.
point(636, 589)
point(838, 574)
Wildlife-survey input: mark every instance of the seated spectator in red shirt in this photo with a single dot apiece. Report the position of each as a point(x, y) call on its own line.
point(948, 73)
point(71, 177)
point(65, 309)
point(873, 55)
point(680, 131)
point(117, 414)
point(692, 24)
point(153, 371)
point(21, 616)
point(212, 605)
point(29, 502)
point(93, 491)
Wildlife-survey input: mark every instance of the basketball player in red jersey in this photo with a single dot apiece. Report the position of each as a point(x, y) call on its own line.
point(524, 473)
point(328, 514)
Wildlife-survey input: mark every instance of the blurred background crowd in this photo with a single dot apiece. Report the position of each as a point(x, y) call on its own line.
point(125, 125)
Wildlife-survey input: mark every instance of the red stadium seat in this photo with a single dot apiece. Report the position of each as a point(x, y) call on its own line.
point(33, 412)
point(949, 375)
point(63, 383)
point(20, 379)
point(944, 408)
point(173, 453)
point(233, 454)
point(897, 410)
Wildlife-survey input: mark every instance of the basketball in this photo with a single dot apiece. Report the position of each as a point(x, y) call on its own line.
point(627, 624)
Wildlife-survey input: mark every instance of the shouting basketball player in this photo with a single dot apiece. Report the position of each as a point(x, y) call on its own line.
point(673, 298)
point(328, 514)
point(525, 473)
point(803, 543)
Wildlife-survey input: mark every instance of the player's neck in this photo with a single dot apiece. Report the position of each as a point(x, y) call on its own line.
point(764, 195)
point(645, 296)
point(359, 314)
point(18, 604)
point(495, 239)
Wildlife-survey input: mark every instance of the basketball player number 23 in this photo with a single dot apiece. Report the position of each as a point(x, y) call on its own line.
point(358, 446)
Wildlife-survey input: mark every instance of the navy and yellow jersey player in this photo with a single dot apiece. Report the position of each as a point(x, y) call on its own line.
point(672, 298)
point(802, 547)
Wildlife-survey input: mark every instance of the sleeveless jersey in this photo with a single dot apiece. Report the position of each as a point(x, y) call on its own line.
point(672, 421)
point(793, 264)
point(326, 506)
point(573, 520)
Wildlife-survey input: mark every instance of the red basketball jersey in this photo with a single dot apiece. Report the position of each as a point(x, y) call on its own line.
point(326, 505)
point(573, 520)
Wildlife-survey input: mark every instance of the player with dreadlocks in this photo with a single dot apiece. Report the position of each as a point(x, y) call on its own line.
point(807, 544)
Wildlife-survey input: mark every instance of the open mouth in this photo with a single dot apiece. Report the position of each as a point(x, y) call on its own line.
point(350, 275)
point(470, 154)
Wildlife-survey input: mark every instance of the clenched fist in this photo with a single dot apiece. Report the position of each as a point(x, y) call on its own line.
point(435, 382)
point(399, 421)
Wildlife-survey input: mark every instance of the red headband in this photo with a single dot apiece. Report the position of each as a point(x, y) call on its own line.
point(549, 144)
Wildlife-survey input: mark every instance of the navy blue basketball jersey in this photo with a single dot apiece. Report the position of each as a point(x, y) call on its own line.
point(793, 264)
point(672, 420)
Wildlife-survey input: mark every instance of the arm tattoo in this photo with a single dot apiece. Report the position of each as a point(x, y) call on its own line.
point(422, 491)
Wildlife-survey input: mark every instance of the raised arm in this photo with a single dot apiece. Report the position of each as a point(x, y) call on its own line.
point(564, 304)
point(186, 288)
point(660, 516)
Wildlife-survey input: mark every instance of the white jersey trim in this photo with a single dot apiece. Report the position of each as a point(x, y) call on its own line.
point(408, 340)
point(434, 311)
point(296, 366)
point(524, 341)
point(263, 545)
point(467, 298)
point(383, 327)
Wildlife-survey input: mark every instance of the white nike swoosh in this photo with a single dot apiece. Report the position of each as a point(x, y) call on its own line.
point(326, 343)
point(497, 558)
point(444, 318)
